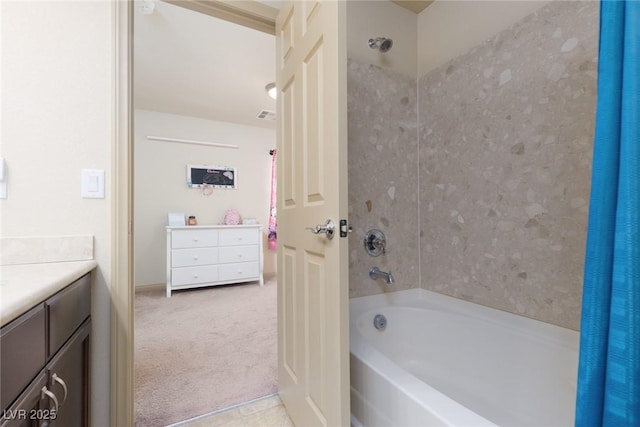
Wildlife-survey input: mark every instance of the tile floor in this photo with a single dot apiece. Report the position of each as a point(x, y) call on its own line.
point(267, 412)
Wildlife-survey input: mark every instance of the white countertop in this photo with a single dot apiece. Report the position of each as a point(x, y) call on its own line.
point(26, 285)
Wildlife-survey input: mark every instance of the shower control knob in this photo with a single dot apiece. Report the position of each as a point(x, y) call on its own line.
point(375, 242)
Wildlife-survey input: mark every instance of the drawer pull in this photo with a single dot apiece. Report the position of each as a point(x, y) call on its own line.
point(195, 257)
point(57, 379)
point(44, 392)
point(239, 255)
point(195, 275)
point(195, 239)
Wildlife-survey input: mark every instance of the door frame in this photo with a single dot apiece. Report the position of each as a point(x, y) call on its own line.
point(247, 13)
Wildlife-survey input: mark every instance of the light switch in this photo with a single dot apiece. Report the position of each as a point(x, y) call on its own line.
point(93, 183)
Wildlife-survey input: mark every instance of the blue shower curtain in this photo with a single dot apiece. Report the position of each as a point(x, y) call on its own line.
point(609, 370)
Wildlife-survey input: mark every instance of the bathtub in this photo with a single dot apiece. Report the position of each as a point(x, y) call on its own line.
point(442, 361)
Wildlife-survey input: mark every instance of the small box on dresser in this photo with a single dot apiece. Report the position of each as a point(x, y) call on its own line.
point(210, 255)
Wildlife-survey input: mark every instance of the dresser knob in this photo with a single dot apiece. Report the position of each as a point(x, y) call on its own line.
point(195, 257)
point(195, 276)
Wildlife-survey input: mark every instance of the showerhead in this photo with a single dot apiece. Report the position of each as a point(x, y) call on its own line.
point(383, 44)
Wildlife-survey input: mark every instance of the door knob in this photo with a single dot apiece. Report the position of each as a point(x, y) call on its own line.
point(329, 229)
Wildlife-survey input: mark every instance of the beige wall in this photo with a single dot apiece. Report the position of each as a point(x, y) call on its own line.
point(505, 125)
point(371, 19)
point(383, 176)
point(450, 28)
point(506, 134)
point(160, 181)
point(57, 99)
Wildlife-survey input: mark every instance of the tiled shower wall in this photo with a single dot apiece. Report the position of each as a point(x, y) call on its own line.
point(383, 176)
point(503, 177)
point(505, 160)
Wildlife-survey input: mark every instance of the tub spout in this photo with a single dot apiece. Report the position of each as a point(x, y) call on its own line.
point(375, 273)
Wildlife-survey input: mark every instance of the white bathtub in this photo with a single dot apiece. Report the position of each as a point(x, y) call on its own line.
point(446, 362)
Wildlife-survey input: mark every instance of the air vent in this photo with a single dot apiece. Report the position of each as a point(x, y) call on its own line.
point(266, 115)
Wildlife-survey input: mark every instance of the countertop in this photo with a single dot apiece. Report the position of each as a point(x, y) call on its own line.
point(26, 285)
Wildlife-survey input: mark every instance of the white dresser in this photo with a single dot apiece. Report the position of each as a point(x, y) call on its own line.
point(209, 255)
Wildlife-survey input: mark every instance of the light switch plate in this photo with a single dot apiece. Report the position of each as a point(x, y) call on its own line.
point(92, 184)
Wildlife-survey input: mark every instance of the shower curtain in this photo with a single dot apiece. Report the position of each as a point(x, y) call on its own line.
point(273, 232)
point(609, 370)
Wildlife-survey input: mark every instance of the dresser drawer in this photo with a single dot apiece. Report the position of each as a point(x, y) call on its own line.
point(243, 270)
point(67, 310)
point(239, 254)
point(193, 275)
point(239, 236)
point(193, 238)
point(191, 257)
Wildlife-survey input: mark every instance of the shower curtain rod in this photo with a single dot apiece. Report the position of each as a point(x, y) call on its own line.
point(190, 141)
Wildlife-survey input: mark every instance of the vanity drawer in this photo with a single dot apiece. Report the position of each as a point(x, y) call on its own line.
point(193, 275)
point(191, 257)
point(22, 353)
point(67, 310)
point(239, 236)
point(194, 238)
point(239, 254)
point(244, 270)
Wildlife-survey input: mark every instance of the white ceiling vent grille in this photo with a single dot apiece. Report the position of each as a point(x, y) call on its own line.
point(266, 115)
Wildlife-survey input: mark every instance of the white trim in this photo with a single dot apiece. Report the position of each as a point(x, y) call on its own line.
point(248, 13)
point(121, 280)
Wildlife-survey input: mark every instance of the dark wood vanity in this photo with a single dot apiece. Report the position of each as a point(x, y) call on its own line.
point(44, 361)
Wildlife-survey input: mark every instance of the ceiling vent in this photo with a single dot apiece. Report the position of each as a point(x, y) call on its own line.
point(266, 115)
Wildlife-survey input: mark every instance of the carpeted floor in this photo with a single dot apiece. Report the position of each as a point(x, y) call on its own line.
point(203, 350)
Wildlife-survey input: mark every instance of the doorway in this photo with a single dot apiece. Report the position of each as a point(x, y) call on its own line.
point(199, 81)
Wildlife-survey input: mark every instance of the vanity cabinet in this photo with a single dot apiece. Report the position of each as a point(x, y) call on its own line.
point(200, 256)
point(45, 361)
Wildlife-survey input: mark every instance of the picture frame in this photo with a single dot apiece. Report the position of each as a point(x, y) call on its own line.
point(199, 176)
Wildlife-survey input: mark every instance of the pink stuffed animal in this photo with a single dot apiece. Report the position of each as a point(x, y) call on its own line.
point(232, 217)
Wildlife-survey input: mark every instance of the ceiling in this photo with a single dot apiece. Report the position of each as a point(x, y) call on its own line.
point(193, 64)
point(415, 6)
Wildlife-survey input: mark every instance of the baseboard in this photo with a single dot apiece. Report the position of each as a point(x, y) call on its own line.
point(151, 287)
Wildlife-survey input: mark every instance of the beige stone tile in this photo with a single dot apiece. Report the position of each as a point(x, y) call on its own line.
point(226, 419)
point(505, 164)
point(273, 417)
point(383, 179)
point(259, 405)
point(267, 412)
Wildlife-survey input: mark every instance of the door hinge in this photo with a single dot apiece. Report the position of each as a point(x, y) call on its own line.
point(344, 228)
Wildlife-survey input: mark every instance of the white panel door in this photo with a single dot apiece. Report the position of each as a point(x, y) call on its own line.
point(313, 291)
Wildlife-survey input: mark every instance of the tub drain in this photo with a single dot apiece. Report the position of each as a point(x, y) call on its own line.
point(379, 322)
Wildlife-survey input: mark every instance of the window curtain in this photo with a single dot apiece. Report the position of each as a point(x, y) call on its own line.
point(609, 368)
point(273, 232)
